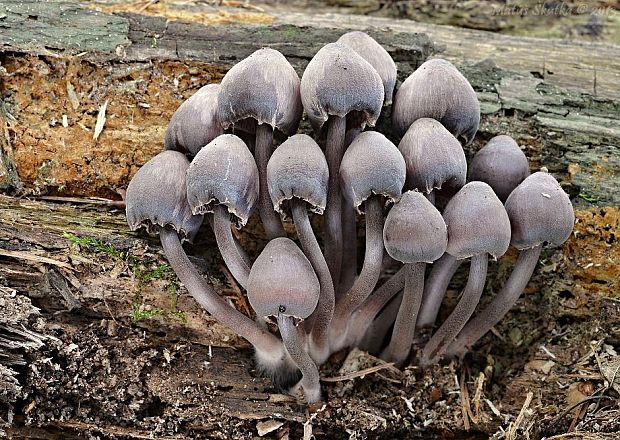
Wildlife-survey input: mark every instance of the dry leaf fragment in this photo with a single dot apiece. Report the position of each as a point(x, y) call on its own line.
point(100, 120)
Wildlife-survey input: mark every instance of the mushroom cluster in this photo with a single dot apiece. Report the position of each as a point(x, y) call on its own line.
point(421, 217)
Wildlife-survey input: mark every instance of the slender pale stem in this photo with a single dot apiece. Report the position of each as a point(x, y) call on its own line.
point(264, 342)
point(325, 307)
point(229, 249)
point(404, 327)
point(375, 335)
point(293, 341)
point(334, 150)
point(371, 270)
point(365, 314)
point(435, 287)
point(263, 148)
point(435, 348)
point(499, 306)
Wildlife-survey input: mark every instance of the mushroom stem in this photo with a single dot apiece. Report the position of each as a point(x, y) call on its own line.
point(430, 196)
point(435, 348)
point(268, 346)
point(381, 325)
point(371, 270)
point(319, 343)
point(404, 326)
point(499, 306)
point(229, 248)
point(293, 337)
point(363, 317)
point(269, 217)
point(334, 150)
point(435, 288)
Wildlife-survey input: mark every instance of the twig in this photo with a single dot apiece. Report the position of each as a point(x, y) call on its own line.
point(36, 258)
point(512, 431)
point(360, 373)
point(85, 201)
point(147, 5)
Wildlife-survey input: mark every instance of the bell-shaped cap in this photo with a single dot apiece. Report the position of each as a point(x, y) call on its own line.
point(377, 56)
point(414, 231)
point(337, 81)
point(298, 168)
point(477, 222)
point(194, 124)
point(265, 87)
point(156, 197)
point(223, 172)
point(282, 281)
point(433, 156)
point(501, 164)
point(439, 91)
point(540, 212)
point(372, 165)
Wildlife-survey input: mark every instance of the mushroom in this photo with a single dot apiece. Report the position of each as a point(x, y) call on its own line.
point(338, 83)
point(540, 212)
point(297, 175)
point(377, 56)
point(439, 91)
point(271, 292)
point(263, 87)
point(372, 172)
point(223, 179)
point(478, 225)
point(194, 124)
point(501, 164)
point(156, 200)
point(414, 233)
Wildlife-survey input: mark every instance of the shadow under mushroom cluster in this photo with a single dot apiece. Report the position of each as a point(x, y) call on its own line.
point(321, 300)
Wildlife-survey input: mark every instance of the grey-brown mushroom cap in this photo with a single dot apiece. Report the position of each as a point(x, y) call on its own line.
point(414, 230)
point(439, 91)
point(156, 198)
point(298, 168)
point(540, 212)
point(433, 157)
point(501, 164)
point(372, 165)
point(223, 172)
point(282, 281)
point(477, 222)
point(265, 87)
point(379, 58)
point(337, 81)
point(194, 124)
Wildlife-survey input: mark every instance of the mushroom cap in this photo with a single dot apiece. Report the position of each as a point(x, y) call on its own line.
point(371, 165)
point(337, 81)
point(223, 172)
point(149, 206)
point(501, 164)
point(298, 168)
point(282, 281)
point(433, 156)
point(194, 124)
point(377, 56)
point(540, 211)
point(477, 222)
point(439, 91)
point(265, 87)
point(414, 231)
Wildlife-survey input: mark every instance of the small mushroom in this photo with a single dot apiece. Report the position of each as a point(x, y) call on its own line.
point(439, 91)
point(263, 87)
point(540, 212)
point(297, 175)
point(372, 172)
point(338, 83)
point(223, 179)
point(478, 226)
point(501, 164)
point(415, 234)
point(283, 284)
point(194, 124)
point(377, 56)
point(156, 200)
